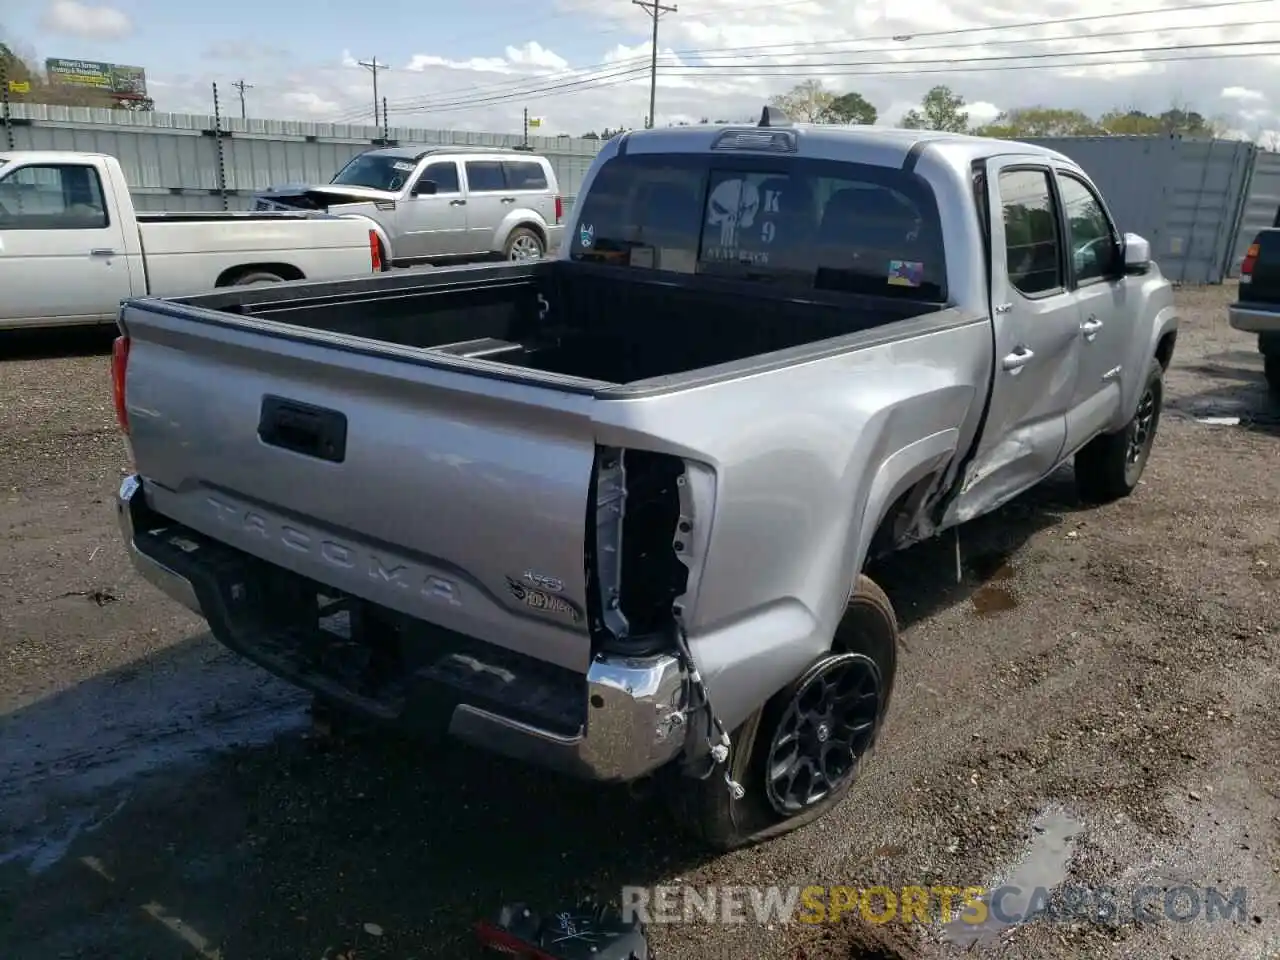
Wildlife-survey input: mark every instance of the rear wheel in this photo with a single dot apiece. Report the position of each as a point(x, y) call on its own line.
point(256, 276)
point(799, 755)
point(1271, 369)
point(1109, 467)
point(524, 244)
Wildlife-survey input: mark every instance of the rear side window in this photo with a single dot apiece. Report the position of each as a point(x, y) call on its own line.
point(524, 175)
point(485, 175)
point(808, 224)
point(1033, 254)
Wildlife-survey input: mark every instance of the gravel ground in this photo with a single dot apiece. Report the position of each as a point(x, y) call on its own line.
point(1094, 705)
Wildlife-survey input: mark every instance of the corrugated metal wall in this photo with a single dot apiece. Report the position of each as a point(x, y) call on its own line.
point(1198, 202)
point(1183, 196)
point(1260, 207)
point(171, 159)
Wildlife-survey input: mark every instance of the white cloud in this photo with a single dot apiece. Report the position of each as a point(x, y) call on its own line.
point(75, 19)
point(1242, 94)
point(848, 44)
point(311, 104)
point(534, 54)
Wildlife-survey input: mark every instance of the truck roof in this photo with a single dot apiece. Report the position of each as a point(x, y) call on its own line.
point(53, 156)
point(417, 153)
point(829, 139)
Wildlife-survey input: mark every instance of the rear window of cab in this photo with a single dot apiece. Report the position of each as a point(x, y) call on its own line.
point(813, 224)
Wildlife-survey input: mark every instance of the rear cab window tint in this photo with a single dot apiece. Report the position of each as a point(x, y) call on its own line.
point(802, 223)
point(525, 175)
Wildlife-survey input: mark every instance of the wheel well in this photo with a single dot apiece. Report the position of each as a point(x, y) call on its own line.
point(1164, 349)
point(285, 271)
point(890, 529)
point(530, 225)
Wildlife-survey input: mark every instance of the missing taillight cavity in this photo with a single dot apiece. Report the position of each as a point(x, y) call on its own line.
point(639, 537)
point(119, 371)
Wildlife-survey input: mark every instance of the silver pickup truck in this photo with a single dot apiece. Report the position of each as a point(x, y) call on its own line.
point(611, 512)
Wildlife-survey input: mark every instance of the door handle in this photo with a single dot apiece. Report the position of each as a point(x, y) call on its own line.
point(1017, 360)
point(1090, 328)
point(508, 199)
point(102, 252)
point(457, 203)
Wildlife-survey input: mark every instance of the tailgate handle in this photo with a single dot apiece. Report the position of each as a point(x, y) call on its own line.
point(302, 428)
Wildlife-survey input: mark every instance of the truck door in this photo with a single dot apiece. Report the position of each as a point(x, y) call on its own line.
point(487, 203)
point(1101, 288)
point(1037, 338)
point(62, 253)
point(434, 217)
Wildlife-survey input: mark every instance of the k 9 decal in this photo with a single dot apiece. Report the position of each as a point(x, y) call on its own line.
point(541, 600)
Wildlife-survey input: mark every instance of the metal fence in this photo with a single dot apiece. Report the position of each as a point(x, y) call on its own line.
point(1199, 202)
point(187, 162)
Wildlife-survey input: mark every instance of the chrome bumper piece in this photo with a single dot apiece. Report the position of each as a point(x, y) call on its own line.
point(635, 709)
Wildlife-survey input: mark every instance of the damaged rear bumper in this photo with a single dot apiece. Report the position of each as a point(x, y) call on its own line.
point(620, 722)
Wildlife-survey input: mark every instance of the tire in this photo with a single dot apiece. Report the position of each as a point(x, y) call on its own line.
point(864, 651)
point(522, 243)
point(257, 276)
point(1109, 467)
point(1271, 370)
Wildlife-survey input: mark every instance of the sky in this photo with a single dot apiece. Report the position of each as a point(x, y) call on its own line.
point(579, 65)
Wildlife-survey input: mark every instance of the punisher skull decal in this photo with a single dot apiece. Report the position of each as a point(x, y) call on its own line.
point(733, 205)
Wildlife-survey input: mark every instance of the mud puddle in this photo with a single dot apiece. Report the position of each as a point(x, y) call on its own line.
point(995, 595)
point(67, 761)
point(1025, 891)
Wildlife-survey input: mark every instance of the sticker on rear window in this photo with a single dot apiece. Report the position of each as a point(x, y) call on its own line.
point(587, 235)
point(404, 166)
point(906, 273)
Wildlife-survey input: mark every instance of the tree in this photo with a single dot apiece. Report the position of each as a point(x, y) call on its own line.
point(808, 102)
point(1022, 122)
point(939, 110)
point(1175, 120)
point(851, 108)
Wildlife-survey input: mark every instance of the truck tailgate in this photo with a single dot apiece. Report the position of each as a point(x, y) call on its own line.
point(433, 493)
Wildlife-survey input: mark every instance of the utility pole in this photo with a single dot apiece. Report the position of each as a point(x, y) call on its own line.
point(242, 87)
point(386, 124)
point(373, 66)
point(526, 127)
point(655, 9)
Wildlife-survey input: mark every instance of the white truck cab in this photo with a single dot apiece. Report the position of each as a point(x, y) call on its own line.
point(72, 246)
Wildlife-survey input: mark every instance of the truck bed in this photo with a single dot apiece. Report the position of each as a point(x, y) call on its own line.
point(577, 321)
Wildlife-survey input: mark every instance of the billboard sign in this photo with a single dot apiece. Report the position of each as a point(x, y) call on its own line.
point(110, 78)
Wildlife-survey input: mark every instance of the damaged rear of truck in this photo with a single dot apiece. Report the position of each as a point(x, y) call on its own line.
point(606, 513)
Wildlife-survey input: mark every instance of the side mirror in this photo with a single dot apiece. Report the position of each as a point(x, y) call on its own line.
point(1137, 254)
point(424, 188)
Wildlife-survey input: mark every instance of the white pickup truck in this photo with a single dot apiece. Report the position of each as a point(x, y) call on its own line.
point(72, 246)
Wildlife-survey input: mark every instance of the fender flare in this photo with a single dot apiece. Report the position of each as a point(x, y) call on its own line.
point(898, 474)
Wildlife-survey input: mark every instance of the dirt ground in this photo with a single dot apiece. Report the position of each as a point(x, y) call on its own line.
point(1096, 704)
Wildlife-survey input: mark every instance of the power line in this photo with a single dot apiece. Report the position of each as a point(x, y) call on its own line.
point(373, 66)
point(755, 51)
point(799, 69)
point(241, 86)
point(943, 66)
point(655, 10)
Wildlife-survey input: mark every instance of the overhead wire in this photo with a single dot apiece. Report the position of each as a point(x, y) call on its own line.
point(840, 68)
point(415, 104)
point(964, 67)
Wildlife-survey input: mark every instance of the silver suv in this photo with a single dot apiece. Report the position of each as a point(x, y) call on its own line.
point(441, 204)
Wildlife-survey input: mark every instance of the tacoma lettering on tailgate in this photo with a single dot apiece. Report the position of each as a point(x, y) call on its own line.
point(333, 553)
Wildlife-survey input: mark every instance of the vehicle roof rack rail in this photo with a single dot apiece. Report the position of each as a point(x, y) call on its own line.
point(773, 117)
